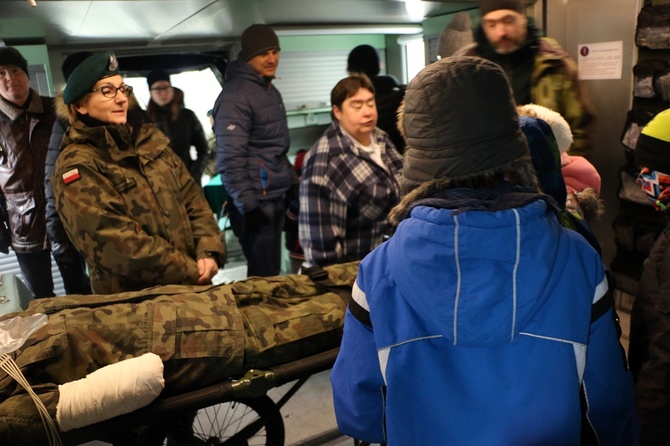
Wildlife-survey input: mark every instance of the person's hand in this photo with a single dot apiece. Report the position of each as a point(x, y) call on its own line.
point(254, 219)
point(293, 202)
point(207, 268)
point(63, 252)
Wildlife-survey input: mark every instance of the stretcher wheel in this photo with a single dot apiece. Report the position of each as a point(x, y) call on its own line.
point(245, 422)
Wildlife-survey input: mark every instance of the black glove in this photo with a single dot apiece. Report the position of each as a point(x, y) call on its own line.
point(293, 202)
point(254, 219)
point(294, 192)
point(64, 253)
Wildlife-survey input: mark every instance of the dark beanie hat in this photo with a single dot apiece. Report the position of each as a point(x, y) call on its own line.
point(11, 56)
point(653, 145)
point(256, 40)
point(459, 118)
point(363, 59)
point(157, 75)
point(486, 6)
point(72, 61)
point(87, 73)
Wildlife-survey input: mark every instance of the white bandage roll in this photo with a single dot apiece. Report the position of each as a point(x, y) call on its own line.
point(110, 391)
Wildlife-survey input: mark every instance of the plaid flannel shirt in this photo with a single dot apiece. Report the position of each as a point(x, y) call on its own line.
point(345, 197)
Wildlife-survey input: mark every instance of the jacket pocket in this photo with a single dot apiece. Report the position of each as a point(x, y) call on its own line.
point(20, 209)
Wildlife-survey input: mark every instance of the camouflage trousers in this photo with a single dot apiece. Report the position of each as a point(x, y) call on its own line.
point(203, 334)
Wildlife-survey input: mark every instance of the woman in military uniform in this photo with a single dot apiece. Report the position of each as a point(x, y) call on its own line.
point(127, 201)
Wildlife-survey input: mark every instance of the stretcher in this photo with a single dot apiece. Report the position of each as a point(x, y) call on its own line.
point(235, 411)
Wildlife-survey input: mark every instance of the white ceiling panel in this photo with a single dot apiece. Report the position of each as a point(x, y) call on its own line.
point(94, 22)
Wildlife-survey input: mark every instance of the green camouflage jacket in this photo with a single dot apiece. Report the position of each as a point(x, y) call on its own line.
point(555, 85)
point(131, 208)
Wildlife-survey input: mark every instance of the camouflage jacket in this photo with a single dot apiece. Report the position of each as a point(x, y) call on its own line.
point(554, 84)
point(131, 208)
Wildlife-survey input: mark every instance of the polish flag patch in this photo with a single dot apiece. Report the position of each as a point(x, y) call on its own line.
point(71, 176)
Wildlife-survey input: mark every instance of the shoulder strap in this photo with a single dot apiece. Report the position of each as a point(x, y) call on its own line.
point(320, 278)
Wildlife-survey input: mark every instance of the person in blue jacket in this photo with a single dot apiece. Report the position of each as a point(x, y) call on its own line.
point(252, 143)
point(482, 320)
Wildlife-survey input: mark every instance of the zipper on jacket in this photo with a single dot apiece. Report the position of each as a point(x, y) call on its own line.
point(263, 175)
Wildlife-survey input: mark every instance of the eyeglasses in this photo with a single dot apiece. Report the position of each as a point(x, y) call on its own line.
point(160, 88)
point(110, 91)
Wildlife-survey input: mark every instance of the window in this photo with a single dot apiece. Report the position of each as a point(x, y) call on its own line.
point(414, 55)
point(201, 88)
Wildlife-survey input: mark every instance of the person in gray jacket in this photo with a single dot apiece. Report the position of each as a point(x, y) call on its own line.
point(70, 263)
point(252, 141)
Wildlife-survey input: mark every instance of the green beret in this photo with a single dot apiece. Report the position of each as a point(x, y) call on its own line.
point(86, 74)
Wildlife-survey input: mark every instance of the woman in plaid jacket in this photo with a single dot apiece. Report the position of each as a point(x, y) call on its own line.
point(349, 180)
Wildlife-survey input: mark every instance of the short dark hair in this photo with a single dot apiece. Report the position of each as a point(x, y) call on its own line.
point(363, 59)
point(348, 87)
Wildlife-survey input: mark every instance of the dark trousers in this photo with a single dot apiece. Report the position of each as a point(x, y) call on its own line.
point(36, 271)
point(262, 247)
point(73, 271)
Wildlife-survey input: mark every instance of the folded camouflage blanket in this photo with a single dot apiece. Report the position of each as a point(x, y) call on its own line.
point(203, 335)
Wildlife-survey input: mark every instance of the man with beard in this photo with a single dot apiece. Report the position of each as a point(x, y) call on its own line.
point(539, 70)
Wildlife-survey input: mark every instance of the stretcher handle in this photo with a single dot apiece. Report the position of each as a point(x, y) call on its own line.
point(305, 366)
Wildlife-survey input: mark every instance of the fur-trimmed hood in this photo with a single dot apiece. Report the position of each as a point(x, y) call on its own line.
point(559, 126)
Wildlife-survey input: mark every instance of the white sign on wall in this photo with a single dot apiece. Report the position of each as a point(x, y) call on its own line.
point(602, 60)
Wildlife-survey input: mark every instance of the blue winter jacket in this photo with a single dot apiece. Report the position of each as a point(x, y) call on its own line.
point(474, 328)
point(252, 138)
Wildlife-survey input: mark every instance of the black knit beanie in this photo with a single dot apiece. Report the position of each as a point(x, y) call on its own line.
point(652, 149)
point(256, 40)
point(486, 6)
point(11, 56)
point(157, 75)
point(72, 61)
point(459, 119)
point(363, 59)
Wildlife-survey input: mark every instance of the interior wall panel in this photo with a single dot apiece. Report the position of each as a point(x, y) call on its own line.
point(575, 22)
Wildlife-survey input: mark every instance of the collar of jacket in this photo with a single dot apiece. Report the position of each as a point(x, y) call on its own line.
point(13, 111)
point(506, 196)
point(119, 141)
point(240, 69)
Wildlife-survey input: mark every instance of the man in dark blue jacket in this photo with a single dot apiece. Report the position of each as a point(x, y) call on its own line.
point(252, 141)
